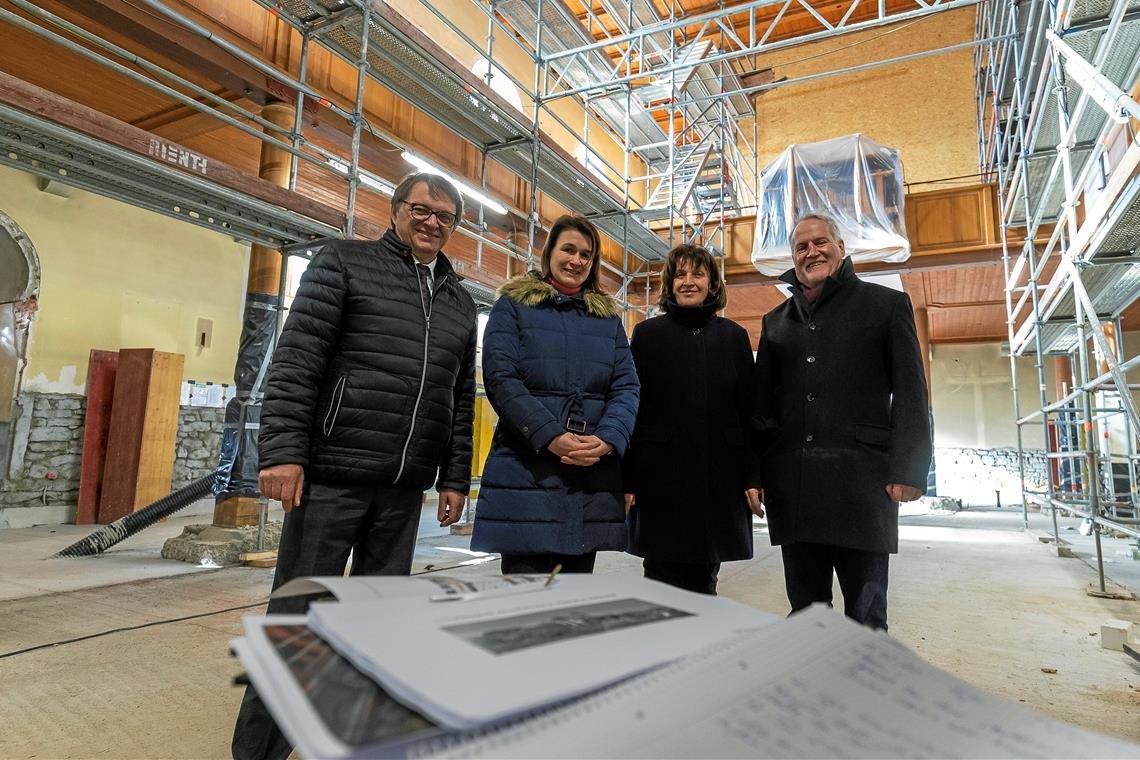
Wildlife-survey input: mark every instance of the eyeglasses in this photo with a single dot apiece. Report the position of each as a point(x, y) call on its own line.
point(422, 213)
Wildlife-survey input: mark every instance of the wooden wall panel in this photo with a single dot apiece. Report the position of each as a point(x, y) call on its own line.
point(243, 23)
point(101, 369)
point(957, 219)
point(160, 431)
point(144, 423)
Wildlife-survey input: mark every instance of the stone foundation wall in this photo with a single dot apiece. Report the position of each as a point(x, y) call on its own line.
point(41, 483)
point(979, 476)
point(47, 449)
point(199, 443)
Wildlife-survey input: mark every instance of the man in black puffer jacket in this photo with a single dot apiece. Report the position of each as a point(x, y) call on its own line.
point(371, 393)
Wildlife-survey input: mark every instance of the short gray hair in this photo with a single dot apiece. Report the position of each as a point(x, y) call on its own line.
point(437, 186)
point(832, 226)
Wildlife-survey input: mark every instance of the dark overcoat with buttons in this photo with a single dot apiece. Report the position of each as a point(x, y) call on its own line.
point(554, 363)
point(688, 464)
point(841, 411)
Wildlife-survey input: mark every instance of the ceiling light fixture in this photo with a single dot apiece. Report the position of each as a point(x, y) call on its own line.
point(369, 180)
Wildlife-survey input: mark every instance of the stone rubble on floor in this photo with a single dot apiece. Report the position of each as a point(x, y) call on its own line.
point(221, 546)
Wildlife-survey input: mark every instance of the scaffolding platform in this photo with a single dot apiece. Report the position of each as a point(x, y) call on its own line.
point(1120, 65)
point(1110, 274)
point(403, 59)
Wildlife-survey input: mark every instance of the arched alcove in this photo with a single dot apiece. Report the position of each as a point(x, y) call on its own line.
point(19, 289)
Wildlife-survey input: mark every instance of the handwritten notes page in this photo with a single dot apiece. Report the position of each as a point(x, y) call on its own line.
point(816, 685)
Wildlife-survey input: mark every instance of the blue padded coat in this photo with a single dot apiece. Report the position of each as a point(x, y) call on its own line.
point(553, 363)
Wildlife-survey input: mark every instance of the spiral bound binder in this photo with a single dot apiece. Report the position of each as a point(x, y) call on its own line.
point(815, 685)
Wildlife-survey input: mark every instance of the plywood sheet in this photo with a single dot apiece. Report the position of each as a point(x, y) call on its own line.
point(144, 423)
point(160, 430)
point(101, 369)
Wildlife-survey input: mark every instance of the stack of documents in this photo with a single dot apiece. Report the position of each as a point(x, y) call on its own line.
point(468, 664)
point(605, 666)
point(428, 656)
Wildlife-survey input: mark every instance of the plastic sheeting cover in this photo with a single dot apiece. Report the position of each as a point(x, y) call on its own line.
point(852, 178)
point(239, 455)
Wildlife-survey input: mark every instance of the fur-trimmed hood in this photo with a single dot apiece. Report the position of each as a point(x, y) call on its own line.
point(531, 290)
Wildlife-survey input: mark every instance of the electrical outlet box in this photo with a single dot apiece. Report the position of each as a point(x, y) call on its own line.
point(204, 334)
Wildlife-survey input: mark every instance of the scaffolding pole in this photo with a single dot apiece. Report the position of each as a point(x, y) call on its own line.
point(1063, 312)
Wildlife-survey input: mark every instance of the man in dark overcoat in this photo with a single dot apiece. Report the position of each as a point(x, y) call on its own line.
point(842, 418)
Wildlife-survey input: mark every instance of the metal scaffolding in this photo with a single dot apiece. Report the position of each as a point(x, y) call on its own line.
point(643, 70)
point(1057, 131)
point(632, 74)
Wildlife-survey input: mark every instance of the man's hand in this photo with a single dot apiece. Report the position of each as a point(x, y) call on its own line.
point(591, 449)
point(284, 482)
point(629, 501)
point(564, 445)
point(450, 506)
point(755, 498)
point(899, 492)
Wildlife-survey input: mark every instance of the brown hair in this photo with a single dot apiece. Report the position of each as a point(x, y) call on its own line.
point(577, 224)
point(695, 256)
point(438, 186)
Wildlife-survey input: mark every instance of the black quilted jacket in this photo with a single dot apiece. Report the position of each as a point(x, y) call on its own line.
point(365, 387)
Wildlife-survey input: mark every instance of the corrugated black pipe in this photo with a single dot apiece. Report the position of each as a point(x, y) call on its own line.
point(125, 527)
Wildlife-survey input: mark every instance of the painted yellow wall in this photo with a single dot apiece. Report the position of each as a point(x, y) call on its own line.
point(114, 276)
point(923, 107)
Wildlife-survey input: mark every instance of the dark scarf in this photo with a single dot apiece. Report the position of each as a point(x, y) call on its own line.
point(690, 316)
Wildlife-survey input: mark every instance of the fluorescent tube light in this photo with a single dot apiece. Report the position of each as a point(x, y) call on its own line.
point(487, 202)
point(370, 180)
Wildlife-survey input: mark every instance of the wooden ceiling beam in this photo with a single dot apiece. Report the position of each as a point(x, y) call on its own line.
point(983, 337)
point(191, 52)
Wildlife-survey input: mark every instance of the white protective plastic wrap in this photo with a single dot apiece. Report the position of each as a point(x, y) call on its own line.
point(852, 178)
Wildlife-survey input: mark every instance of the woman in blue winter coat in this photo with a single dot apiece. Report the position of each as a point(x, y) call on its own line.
point(558, 371)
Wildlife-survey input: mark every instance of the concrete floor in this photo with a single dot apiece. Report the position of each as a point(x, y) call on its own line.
point(125, 655)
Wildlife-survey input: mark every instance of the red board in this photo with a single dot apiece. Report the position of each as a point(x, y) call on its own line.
point(101, 369)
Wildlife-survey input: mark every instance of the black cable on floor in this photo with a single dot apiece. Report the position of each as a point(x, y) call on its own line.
point(5, 655)
point(428, 569)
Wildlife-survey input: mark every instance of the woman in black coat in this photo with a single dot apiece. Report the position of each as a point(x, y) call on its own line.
point(688, 468)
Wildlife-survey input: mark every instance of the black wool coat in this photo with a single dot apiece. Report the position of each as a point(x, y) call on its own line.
point(367, 385)
point(841, 411)
point(688, 464)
